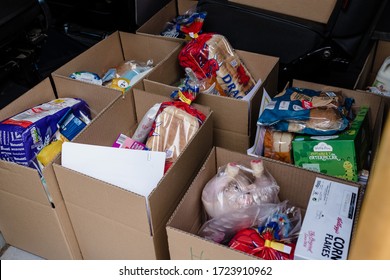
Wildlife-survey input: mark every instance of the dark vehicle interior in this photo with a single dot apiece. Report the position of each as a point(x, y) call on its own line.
point(38, 36)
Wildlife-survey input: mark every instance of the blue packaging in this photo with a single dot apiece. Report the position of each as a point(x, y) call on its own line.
point(25, 134)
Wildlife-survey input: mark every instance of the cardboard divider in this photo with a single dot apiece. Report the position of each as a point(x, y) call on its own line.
point(184, 242)
point(101, 212)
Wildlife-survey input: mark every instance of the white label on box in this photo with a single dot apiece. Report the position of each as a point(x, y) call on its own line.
point(327, 226)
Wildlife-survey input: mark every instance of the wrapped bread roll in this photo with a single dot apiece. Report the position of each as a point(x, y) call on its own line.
point(210, 55)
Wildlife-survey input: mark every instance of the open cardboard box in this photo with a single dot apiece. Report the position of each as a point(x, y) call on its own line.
point(318, 11)
point(234, 119)
point(295, 183)
point(111, 222)
point(29, 219)
point(375, 206)
point(371, 68)
point(113, 51)
point(375, 113)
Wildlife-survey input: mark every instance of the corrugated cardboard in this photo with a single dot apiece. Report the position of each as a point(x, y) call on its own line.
point(112, 223)
point(370, 70)
point(375, 207)
point(27, 218)
point(112, 51)
point(156, 24)
point(231, 116)
point(295, 185)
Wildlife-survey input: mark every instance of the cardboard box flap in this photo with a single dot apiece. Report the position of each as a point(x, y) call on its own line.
point(35, 228)
point(97, 196)
point(169, 72)
point(41, 93)
point(181, 248)
point(185, 5)
point(98, 59)
point(126, 243)
point(100, 131)
point(22, 181)
point(317, 10)
point(375, 206)
point(143, 48)
point(160, 19)
point(97, 98)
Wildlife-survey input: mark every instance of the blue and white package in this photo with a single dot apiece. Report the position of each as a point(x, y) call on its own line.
point(307, 111)
point(25, 134)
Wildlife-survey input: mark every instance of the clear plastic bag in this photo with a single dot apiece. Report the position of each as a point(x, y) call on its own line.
point(274, 239)
point(237, 186)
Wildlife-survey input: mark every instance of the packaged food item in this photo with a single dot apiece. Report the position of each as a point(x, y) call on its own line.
point(236, 186)
point(126, 142)
point(126, 74)
point(215, 62)
point(183, 26)
point(87, 76)
point(174, 126)
point(307, 111)
point(278, 145)
point(24, 135)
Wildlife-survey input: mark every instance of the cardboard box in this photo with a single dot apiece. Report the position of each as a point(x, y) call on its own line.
point(112, 51)
point(370, 69)
point(234, 119)
point(297, 8)
point(342, 155)
point(375, 206)
point(295, 183)
point(375, 113)
point(111, 222)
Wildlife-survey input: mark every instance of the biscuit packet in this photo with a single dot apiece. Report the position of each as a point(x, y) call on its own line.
point(213, 60)
point(307, 111)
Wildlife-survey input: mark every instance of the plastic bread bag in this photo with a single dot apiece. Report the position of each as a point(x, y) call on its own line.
point(183, 26)
point(237, 186)
point(307, 111)
point(191, 86)
point(24, 135)
point(126, 74)
point(278, 145)
point(221, 229)
point(212, 58)
point(174, 126)
point(275, 239)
